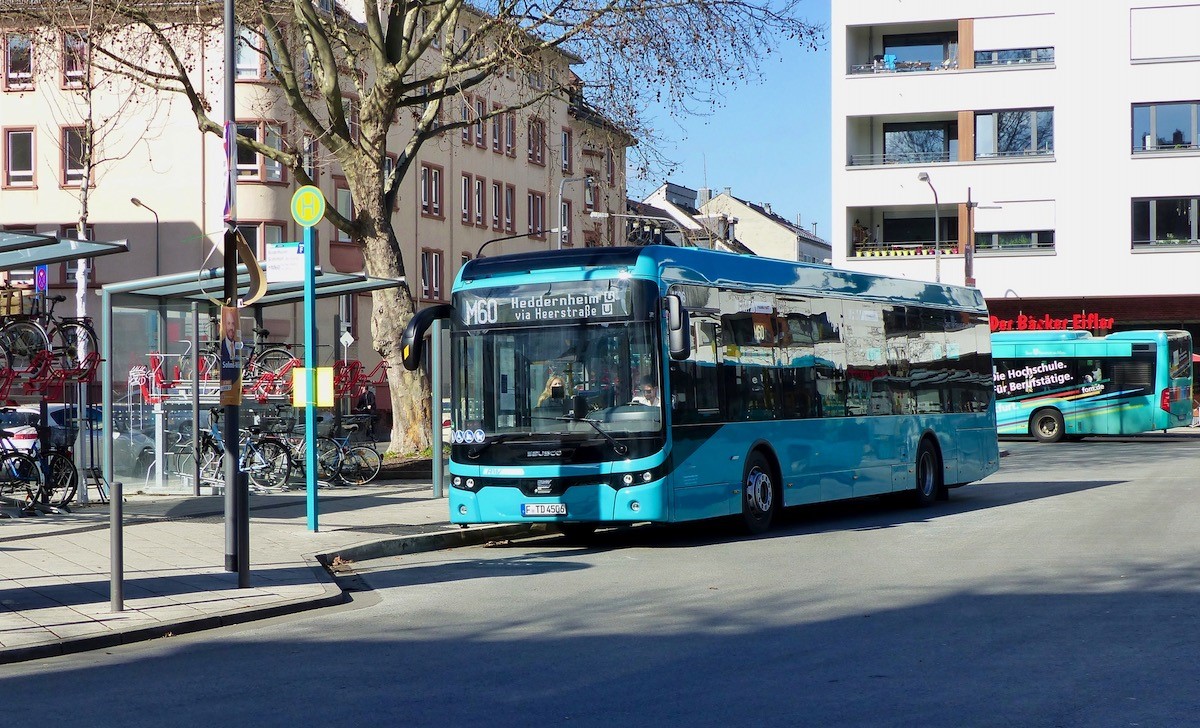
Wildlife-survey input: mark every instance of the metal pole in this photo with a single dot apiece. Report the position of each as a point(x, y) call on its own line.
point(116, 547)
point(310, 377)
point(194, 355)
point(233, 519)
point(969, 246)
point(435, 363)
point(937, 238)
point(106, 398)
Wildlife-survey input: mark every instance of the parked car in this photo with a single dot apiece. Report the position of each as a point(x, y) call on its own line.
point(23, 427)
point(133, 452)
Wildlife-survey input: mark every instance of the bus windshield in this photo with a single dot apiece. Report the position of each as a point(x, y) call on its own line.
point(592, 383)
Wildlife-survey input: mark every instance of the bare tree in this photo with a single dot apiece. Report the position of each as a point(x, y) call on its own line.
point(405, 60)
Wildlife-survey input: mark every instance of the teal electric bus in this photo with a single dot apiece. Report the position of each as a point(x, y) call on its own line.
point(616, 385)
point(1066, 384)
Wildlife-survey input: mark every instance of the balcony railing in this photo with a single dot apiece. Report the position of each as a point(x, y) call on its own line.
point(1167, 244)
point(1152, 145)
point(1015, 56)
point(857, 160)
point(880, 65)
point(905, 249)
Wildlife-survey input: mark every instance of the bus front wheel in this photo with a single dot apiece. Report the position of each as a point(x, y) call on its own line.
point(1046, 425)
point(760, 498)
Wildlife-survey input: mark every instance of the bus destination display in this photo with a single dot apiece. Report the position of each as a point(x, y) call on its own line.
point(545, 304)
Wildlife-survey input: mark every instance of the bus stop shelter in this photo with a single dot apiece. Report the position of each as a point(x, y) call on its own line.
point(175, 300)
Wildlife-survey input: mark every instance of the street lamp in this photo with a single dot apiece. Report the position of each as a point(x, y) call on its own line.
point(682, 231)
point(937, 241)
point(563, 225)
point(157, 256)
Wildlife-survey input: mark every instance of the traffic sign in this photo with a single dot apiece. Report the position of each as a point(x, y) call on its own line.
point(285, 262)
point(347, 339)
point(41, 278)
point(308, 206)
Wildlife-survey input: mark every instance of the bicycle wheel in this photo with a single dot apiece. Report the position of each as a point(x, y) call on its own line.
point(68, 338)
point(268, 463)
point(212, 466)
point(62, 479)
point(20, 478)
point(360, 465)
point(329, 458)
point(23, 340)
point(272, 359)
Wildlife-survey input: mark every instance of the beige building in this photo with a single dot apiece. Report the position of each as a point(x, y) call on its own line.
point(760, 229)
point(500, 177)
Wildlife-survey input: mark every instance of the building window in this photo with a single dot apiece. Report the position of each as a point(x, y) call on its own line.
point(1165, 221)
point(589, 192)
point(348, 313)
point(73, 155)
point(480, 202)
point(510, 208)
point(537, 141)
point(350, 105)
point(510, 133)
point(255, 167)
point(74, 58)
point(910, 51)
point(497, 202)
point(1015, 133)
point(259, 235)
point(18, 158)
point(480, 124)
point(343, 202)
point(308, 156)
point(431, 190)
point(565, 222)
point(1165, 126)
point(431, 274)
point(248, 61)
point(497, 130)
point(18, 62)
point(610, 166)
point(463, 259)
point(918, 142)
point(537, 215)
point(466, 120)
point(466, 200)
point(566, 151)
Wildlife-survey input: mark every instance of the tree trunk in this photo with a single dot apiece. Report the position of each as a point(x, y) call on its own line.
point(391, 310)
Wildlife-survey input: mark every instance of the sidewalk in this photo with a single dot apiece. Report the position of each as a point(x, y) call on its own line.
point(54, 569)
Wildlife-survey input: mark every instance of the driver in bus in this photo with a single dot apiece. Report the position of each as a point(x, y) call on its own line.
point(647, 393)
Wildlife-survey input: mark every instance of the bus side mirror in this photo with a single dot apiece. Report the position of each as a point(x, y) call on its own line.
point(412, 343)
point(679, 327)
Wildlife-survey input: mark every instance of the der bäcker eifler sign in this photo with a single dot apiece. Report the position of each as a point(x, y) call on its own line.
point(544, 303)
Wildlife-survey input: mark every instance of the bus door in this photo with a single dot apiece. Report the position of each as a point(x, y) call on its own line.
point(1092, 410)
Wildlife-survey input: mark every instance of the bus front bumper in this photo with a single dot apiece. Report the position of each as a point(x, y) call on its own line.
point(582, 503)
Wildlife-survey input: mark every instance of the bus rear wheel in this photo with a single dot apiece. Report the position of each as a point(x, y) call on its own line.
point(929, 475)
point(1046, 425)
point(760, 499)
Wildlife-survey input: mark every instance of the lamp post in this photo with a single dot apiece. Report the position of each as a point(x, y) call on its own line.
point(969, 246)
point(937, 240)
point(563, 224)
point(157, 256)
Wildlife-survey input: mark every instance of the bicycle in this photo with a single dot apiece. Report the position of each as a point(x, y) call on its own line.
point(267, 461)
point(262, 357)
point(328, 452)
point(25, 335)
point(20, 475)
point(357, 464)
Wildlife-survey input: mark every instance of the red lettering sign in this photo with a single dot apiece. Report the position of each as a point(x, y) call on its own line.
point(1046, 322)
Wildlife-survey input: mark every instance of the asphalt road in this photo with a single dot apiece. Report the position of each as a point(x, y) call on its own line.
point(1062, 591)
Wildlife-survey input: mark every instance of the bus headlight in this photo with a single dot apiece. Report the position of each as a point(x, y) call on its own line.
point(646, 476)
point(462, 510)
point(627, 479)
point(470, 483)
point(635, 506)
point(457, 481)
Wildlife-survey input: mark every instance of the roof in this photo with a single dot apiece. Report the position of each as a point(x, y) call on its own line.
point(25, 250)
point(207, 284)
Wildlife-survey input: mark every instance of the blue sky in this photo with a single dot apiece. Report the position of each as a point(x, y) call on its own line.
point(768, 142)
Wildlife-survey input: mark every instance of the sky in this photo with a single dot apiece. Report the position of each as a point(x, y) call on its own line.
point(768, 142)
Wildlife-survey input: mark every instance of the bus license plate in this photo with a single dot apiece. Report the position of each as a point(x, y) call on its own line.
point(543, 509)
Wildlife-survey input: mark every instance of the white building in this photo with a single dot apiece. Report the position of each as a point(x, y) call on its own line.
point(1071, 126)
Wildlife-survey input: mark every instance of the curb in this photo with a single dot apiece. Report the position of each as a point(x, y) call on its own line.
point(323, 573)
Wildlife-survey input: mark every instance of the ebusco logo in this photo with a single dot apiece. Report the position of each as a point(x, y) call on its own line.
point(482, 311)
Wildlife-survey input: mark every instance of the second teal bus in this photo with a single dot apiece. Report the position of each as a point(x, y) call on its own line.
point(1055, 385)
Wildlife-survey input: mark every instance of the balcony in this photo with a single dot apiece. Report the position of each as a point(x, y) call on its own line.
point(902, 48)
point(889, 64)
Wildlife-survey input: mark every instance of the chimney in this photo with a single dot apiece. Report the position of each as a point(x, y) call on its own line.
point(705, 196)
point(729, 191)
point(767, 206)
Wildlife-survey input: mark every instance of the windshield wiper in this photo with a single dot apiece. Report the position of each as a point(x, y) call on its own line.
point(619, 448)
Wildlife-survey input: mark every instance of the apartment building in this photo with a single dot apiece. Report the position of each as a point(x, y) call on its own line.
point(160, 184)
point(1054, 143)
